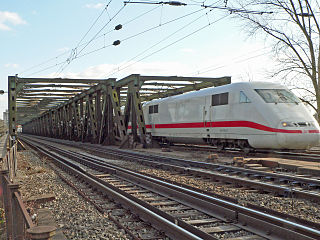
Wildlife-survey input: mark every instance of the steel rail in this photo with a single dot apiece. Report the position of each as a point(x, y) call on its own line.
point(100, 209)
point(188, 166)
point(251, 219)
point(190, 163)
point(170, 228)
point(262, 186)
point(279, 178)
point(287, 191)
point(293, 155)
point(183, 226)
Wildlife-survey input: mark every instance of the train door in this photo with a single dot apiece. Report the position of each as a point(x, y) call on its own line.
point(150, 118)
point(155, 118)
point(207, 112)
point(151, 122)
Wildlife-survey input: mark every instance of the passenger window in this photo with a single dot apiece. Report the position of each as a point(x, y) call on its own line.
point(220, 99)
point(224, 98)
point(155, 109)
point(150, 109)
point(215, 100)
point(244, 98)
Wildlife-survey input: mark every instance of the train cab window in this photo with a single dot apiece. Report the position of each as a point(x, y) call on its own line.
point(220, 99)
point(244, 98)
point(277, 96)
point(153, 109)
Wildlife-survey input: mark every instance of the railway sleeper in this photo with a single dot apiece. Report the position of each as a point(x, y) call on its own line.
point(244, 218)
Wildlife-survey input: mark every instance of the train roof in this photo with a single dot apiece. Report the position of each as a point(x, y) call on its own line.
point(220, 89)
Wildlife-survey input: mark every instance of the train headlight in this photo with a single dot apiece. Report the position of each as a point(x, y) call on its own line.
point(287, 124)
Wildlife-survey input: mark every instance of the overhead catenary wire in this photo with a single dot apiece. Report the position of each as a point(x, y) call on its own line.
point(104, 9)
point(241, 59)
point(135, 35)
point(162, 40)
point(174, 3)
point(75, 53)
point(153, 28)
point(120, 69)
point(104, 26)
point(71, 51)
point(44, 62)
point(163, 24)
point(209, 6)
point(47, 68)
point(196, 73)
point(68, 61)
point(178, 3)
point(178, 40)
point(105, 46)
point(82, 44)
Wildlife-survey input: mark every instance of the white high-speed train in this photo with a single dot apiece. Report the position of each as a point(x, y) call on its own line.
point(244, 115)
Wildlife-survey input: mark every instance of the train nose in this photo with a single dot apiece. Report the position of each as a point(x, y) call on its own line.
point(298, 137)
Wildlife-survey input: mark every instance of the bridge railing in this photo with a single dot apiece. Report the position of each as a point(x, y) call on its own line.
point(9, 158)
point(19, 224)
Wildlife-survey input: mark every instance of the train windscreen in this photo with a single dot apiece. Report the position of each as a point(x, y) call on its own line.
point(277, 96)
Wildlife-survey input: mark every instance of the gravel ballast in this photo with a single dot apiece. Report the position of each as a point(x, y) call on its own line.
point(304, 209)
point(296, 207)
point(77, 218)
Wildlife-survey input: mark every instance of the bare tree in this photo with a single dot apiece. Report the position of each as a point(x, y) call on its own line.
point(293, 25)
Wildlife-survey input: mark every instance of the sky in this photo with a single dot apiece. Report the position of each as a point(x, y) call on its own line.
point(74, 39)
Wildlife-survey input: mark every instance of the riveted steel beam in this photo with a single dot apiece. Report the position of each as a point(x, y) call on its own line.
point(97, 111)
point(73, 86)
point(137, 113)
point(58, 80)
point(52, 90)
point(12, 106)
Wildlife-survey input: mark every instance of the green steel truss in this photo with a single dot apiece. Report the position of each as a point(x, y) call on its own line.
point(92, 110)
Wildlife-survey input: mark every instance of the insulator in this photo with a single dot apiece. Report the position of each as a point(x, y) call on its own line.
point(118, 27)
point(117, 42)
point(176, 3)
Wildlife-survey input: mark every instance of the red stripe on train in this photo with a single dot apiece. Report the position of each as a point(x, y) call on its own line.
point(314, 131)
point(246, 124)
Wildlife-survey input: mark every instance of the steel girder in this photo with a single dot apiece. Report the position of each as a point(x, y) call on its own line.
point(102, 113)
point(82, 118)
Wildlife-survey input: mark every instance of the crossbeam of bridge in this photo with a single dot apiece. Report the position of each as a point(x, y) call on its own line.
point(92, 110)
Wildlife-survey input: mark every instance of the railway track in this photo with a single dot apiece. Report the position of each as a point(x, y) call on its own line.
point(279, 184)
point(310, 156)
point(196, 214)
point(133, 226)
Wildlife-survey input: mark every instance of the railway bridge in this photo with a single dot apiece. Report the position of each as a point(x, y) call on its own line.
point(173, 201)
point(92, 110)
